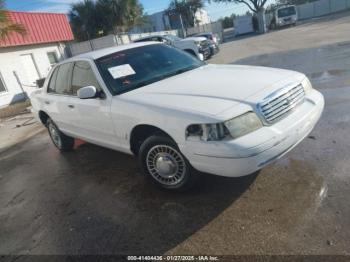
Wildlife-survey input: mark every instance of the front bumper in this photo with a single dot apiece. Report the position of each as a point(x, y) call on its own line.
point(205, 52)
point(214, 49)
point(247, 154)
point(286, 22)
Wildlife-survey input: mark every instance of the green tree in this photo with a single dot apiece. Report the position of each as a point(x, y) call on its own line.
point(227, 21)
point(6, 25)
point(186, 9)
point(120, 15)
point(84, 20)
point(90, 19)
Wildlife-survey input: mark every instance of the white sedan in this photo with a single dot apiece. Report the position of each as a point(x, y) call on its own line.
point(177, 114)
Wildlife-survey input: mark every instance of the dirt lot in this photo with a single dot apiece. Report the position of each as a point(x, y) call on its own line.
point(311, 33)
point(94, 201)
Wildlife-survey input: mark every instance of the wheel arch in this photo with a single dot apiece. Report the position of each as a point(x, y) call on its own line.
point(43, 116)
point(141, 132)
point(190, 51)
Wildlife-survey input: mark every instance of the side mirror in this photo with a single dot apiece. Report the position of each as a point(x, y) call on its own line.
point(40, 82)
point(87, 92)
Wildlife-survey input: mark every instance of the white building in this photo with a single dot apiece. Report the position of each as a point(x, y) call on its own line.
point(161, 21)
point(202, 17)
point(25, 59)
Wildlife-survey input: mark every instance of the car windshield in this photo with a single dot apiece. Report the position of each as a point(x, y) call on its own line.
point(288, 11)
point(137, 67)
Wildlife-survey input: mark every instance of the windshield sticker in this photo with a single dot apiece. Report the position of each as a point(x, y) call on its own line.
point(121, 71)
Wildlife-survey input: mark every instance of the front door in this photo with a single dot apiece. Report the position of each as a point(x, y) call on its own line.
point(91, 117)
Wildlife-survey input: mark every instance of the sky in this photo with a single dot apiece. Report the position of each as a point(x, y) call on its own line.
point(216, 10)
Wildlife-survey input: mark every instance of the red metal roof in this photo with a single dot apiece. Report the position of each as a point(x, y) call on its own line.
point(40, 28)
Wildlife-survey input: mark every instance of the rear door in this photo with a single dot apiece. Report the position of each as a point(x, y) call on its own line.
point(91, 117)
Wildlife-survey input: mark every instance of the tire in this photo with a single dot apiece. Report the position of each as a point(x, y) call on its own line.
point(161, 160)
point(60, 140)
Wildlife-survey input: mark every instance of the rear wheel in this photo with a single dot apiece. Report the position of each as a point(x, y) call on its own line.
point(162, 161)
point(60, 140)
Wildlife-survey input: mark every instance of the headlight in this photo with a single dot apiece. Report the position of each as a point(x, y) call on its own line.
point(233, 128)
point(306, 85)
point(243, 124)
point(208, 132)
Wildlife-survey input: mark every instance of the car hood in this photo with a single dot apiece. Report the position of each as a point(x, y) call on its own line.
point(213, 89)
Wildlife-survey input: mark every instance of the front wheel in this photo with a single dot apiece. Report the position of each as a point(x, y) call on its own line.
point(60, 140)
point(161, 160)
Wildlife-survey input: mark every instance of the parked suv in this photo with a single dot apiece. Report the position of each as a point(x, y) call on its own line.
point(177, 114)
point(196, 46)
point(214, 41)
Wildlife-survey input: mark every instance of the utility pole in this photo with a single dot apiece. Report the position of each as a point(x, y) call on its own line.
point(182, 26)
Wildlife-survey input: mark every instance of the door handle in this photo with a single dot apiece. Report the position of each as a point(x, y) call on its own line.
point(47, 102)
point(70, 106)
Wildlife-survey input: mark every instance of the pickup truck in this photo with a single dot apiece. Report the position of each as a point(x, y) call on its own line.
point(179, 116)
point(196, 46)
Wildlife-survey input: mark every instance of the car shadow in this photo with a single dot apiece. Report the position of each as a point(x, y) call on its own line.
point(108, 207)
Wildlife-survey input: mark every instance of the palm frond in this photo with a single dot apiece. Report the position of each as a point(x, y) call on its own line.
point(7, 26)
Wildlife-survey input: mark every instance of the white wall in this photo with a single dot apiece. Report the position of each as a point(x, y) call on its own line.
point(322, 7)
point(10, 61)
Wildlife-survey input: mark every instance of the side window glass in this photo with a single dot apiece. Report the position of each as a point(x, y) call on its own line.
point(83, 76)
point(62, 84)
point(51, 86)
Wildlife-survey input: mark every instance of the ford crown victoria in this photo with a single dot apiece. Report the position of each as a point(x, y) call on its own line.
point(178, 115)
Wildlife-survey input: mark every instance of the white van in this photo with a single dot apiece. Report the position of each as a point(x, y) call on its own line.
point(283, 16)
point(243, 25)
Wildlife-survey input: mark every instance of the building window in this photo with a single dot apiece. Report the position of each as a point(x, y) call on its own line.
point(2, 85)
point(52, 58)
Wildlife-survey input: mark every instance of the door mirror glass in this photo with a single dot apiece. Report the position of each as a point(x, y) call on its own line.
point(87, 92)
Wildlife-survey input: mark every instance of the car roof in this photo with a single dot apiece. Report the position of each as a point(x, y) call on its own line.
point(110, 50)
point(147, 37)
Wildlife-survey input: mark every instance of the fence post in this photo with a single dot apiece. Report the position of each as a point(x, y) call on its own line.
point(25, 95)
point(313, 8)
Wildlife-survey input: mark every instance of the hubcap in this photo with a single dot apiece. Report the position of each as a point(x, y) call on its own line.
point(166, 165)
point(55, 135)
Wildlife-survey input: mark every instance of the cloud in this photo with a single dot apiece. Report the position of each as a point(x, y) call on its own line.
point(57, 6)
point(53, 9)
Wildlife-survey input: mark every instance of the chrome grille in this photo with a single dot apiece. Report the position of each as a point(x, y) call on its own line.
point(282, 102)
